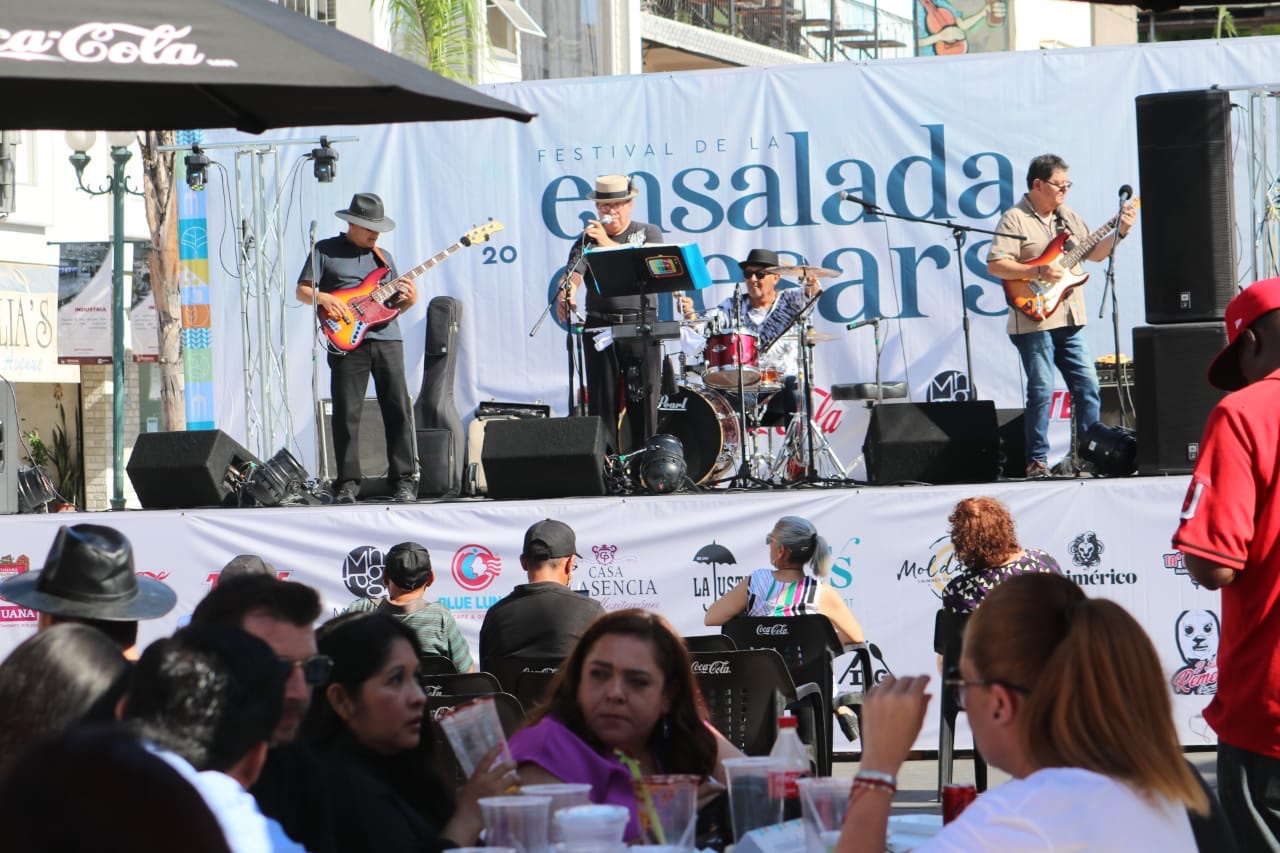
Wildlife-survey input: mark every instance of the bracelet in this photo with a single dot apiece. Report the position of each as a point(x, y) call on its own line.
point(876, 776)
point(868, 780)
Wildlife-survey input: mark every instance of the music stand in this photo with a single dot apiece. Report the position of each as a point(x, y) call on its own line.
point(639, 271)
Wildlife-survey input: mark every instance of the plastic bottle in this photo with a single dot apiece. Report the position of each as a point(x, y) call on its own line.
point(791, 763)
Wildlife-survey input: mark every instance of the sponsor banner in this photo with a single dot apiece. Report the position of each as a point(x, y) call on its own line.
point(28, 322)
point(676, 554)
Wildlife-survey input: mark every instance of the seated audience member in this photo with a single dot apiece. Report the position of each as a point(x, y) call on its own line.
point(407, 570)
point(98, 789)
point(54, 680)
point(987, 547)
point(89, 577)
point(294, 785)
point(541, 618)
point(370, 718)
point(785, 589)
point(246, 564)
point(207, 699)
point(1066, 694)
point(626, 690)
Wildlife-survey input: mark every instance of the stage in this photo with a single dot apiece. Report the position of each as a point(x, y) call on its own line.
point(677, 553)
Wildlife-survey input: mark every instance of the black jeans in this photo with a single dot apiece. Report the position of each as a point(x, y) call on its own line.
point(1249, 790)
point(348, 379)
point(607, 390)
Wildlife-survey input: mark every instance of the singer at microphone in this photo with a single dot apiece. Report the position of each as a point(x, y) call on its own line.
point(614, 197)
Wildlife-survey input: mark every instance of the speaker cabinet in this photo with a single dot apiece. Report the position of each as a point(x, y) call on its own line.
point(373, 448)
point(1012, 424)
point(1184, 168)
point(544, 457)
point(1173, 397)
point(954, 442)
point(186, 468)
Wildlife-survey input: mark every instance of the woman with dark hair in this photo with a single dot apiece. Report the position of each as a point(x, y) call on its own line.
point(1066, 694)
point(63, 675)
point(369, 717)
point(986, 545)
point(626, 692)
point(785, 589)
point(99, 789)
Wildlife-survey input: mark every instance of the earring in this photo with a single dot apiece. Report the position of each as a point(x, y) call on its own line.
point(666, 727)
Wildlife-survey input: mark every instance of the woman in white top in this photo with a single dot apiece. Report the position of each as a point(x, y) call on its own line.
point(785, 589)
point(1065, 693)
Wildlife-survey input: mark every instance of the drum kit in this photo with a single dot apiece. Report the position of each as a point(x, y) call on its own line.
point(721, 415)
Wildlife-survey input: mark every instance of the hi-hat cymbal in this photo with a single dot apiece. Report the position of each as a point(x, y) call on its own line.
point(821, 337)
point(803, 272)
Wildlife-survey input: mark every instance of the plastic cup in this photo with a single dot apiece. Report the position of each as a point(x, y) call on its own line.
point(668, 807)
point(516, 821)
point(563, 795)
point(823, 802)
point(473, 730)
point(592, 824)
point(750, 805)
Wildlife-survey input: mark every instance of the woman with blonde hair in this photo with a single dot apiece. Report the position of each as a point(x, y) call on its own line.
point(1066, 694)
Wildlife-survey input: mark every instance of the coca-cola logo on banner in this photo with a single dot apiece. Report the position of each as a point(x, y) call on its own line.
point(711, 667)
point(1197, 632)
point(114, 42)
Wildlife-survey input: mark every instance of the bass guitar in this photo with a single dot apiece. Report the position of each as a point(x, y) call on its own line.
point(1038, 299)
point(367, 301)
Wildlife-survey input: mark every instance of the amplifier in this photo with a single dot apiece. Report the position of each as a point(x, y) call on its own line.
point(494, 409)
point(1109, 375)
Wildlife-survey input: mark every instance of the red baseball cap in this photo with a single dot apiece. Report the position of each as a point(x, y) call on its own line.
point(1242, 312)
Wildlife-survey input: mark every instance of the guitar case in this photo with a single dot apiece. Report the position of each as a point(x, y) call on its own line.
point(441, 438)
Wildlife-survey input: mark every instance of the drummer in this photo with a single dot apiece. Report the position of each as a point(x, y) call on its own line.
point(766, 313)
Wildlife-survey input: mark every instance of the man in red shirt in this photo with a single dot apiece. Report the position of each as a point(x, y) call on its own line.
point(1230, 536)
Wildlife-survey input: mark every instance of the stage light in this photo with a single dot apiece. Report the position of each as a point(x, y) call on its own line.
point(326, 161)
point(278, 479)
point(197, 168)
point(662, 466)
point(34, 490)
point(1112, 450)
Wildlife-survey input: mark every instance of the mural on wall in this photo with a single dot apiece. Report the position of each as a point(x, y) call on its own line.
point(944, 28)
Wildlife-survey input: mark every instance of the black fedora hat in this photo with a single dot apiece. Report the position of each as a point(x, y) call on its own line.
point(761, 258)
point(366, 211)
point(89, 574)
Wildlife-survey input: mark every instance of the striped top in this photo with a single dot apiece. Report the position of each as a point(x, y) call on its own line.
point(438, 633)
point(768, 596)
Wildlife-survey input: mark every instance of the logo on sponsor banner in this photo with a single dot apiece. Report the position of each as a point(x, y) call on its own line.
point(475, 567)
point(1086, 550)
point(112, 42)
point(10, 567)
point(158, 576)
point(721, 580)
point(362, 572)
point(937, 569)
point(211, 579)
point(948, 386)
point(604, 553)
point(607, 577)
point(852, 676)
point(711, 667)
point(1197, 634)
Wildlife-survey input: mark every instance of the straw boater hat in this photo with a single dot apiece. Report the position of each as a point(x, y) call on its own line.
point(613, 188)
point(366, 211)
point(89, 574)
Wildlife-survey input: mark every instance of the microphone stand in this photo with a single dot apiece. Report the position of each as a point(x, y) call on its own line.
point(573, 333)
point(958, 233)
point(1122, 375)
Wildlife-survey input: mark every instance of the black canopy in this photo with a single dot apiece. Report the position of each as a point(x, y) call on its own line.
point(174, 64)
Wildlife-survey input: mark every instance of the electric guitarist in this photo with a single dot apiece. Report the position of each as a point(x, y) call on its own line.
point(1059, 338)
point(344, 262)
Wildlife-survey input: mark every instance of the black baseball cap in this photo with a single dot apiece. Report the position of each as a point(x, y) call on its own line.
point(408, 565)
point(549, 540)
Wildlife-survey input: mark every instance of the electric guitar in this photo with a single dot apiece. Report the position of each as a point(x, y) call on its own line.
point(366, 302)
point(1039, 299)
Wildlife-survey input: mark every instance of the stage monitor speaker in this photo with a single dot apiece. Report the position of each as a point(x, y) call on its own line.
point(954, 442)
point(186, 468)
point(373, 448)
point(1184, 169)
point(544, 457)
point(1173, 396)
point(1013, 443)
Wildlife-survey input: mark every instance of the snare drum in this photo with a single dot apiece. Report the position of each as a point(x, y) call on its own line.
point(728, 354)
point(706, 425)
point(770, 380)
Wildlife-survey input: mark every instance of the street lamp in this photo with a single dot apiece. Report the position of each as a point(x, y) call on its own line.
point(117, 185)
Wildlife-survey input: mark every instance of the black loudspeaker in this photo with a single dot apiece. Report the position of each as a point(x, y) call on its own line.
point(1173, 396)
point(544, 457)
point(186, 468)
point(1013, 443)
point(373, 448)
point(954, 442)
point(1184, 168)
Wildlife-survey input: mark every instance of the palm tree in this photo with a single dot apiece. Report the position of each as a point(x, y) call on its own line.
point(443, 35)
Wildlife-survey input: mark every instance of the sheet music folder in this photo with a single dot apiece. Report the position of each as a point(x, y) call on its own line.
point(649, 268)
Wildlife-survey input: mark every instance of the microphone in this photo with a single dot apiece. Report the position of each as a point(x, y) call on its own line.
point(313, 231)
point(1126, 192)
point(848, 196)
point(858, 324)
point(605, 220)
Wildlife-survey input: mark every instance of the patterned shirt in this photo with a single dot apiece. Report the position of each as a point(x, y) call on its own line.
point(964, 593)
point(768, 596)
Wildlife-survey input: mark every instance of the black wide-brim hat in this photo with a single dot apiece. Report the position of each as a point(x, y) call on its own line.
point(89, 574)
point(366, 211)
point(761, 258)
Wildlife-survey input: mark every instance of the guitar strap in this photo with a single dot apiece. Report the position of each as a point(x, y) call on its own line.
point(377, 253)
point(1061, 225)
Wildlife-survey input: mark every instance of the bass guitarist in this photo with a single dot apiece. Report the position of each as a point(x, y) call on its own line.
point(1059, 338)
point(345, 262)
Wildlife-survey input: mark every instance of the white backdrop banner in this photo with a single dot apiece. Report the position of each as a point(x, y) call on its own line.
point(676, 554)
point(740, 158)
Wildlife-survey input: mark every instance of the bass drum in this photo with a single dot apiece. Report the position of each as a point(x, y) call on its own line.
point(707, 426)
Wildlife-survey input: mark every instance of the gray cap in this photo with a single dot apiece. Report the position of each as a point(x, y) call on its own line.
point(549, 540)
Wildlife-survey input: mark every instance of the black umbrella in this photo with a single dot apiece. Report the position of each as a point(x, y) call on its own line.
point(175, 64)
point(713, 553)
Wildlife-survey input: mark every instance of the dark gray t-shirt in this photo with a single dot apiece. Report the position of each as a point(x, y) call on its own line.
point(343, 264)
point(542, 619)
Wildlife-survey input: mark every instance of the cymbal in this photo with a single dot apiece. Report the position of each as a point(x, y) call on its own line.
point(821, 337)
point(803, 272)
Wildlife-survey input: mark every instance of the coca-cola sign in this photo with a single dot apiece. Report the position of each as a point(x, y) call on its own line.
point(777, 629)
point(711, 667)
point(101, 41)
